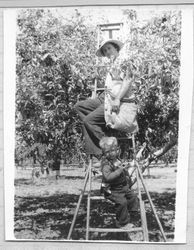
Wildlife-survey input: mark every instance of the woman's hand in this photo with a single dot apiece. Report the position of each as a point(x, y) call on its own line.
point(115, 105)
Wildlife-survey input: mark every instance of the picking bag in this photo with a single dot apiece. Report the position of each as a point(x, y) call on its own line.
point(125, 120)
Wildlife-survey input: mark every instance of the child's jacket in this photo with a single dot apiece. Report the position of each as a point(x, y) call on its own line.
point(114, 176)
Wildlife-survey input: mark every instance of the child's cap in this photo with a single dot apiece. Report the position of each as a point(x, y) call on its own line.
point(106, 143)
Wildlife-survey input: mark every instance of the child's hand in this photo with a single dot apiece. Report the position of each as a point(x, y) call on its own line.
point(118, 164)
point(125, 165)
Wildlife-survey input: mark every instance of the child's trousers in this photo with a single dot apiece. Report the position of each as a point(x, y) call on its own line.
point(125, 201)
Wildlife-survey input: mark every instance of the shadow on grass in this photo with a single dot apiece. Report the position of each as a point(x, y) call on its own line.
point(154, 176)
point(27, 181)
point(51, 217)
point(73, 177)
point(22, 181)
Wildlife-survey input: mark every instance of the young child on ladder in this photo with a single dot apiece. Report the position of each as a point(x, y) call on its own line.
point(115, 182)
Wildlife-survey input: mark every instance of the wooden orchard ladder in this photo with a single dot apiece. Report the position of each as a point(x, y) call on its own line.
point(143, 228)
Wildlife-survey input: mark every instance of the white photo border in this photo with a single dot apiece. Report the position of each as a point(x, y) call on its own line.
point(185, 101)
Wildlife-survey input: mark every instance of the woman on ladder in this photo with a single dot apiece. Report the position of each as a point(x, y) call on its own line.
point(109, 108)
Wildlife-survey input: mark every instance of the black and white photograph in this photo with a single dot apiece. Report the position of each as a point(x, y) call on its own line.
point(97, 123)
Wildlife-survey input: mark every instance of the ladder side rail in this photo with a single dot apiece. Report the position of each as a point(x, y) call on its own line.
point(88, 201)
point(151, 204)
point(78, 205)
point(94, 92)
point(101, 27)
point(143, 218)
point(145, 225)
point(141, 203)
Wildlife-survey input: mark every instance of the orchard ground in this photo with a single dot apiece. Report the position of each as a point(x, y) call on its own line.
point(44, 208)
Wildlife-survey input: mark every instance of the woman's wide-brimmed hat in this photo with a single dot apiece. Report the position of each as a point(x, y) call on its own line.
point(117, 42)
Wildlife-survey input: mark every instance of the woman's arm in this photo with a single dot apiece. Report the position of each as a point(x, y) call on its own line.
point(123, 91)
point(124, 88)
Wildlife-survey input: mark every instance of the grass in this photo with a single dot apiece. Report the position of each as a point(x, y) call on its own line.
point(44, 209)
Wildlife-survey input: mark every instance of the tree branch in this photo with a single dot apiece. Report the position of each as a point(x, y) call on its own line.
point(156, 155)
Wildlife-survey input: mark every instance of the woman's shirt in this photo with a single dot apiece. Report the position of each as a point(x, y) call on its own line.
point(117, 72)
point(124, 120)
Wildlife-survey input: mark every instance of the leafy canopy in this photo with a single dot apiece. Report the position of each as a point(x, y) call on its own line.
point(56, 67)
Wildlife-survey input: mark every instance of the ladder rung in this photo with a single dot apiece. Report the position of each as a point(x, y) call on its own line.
point(135, 229)
point(97, 198)
point(100, 198)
